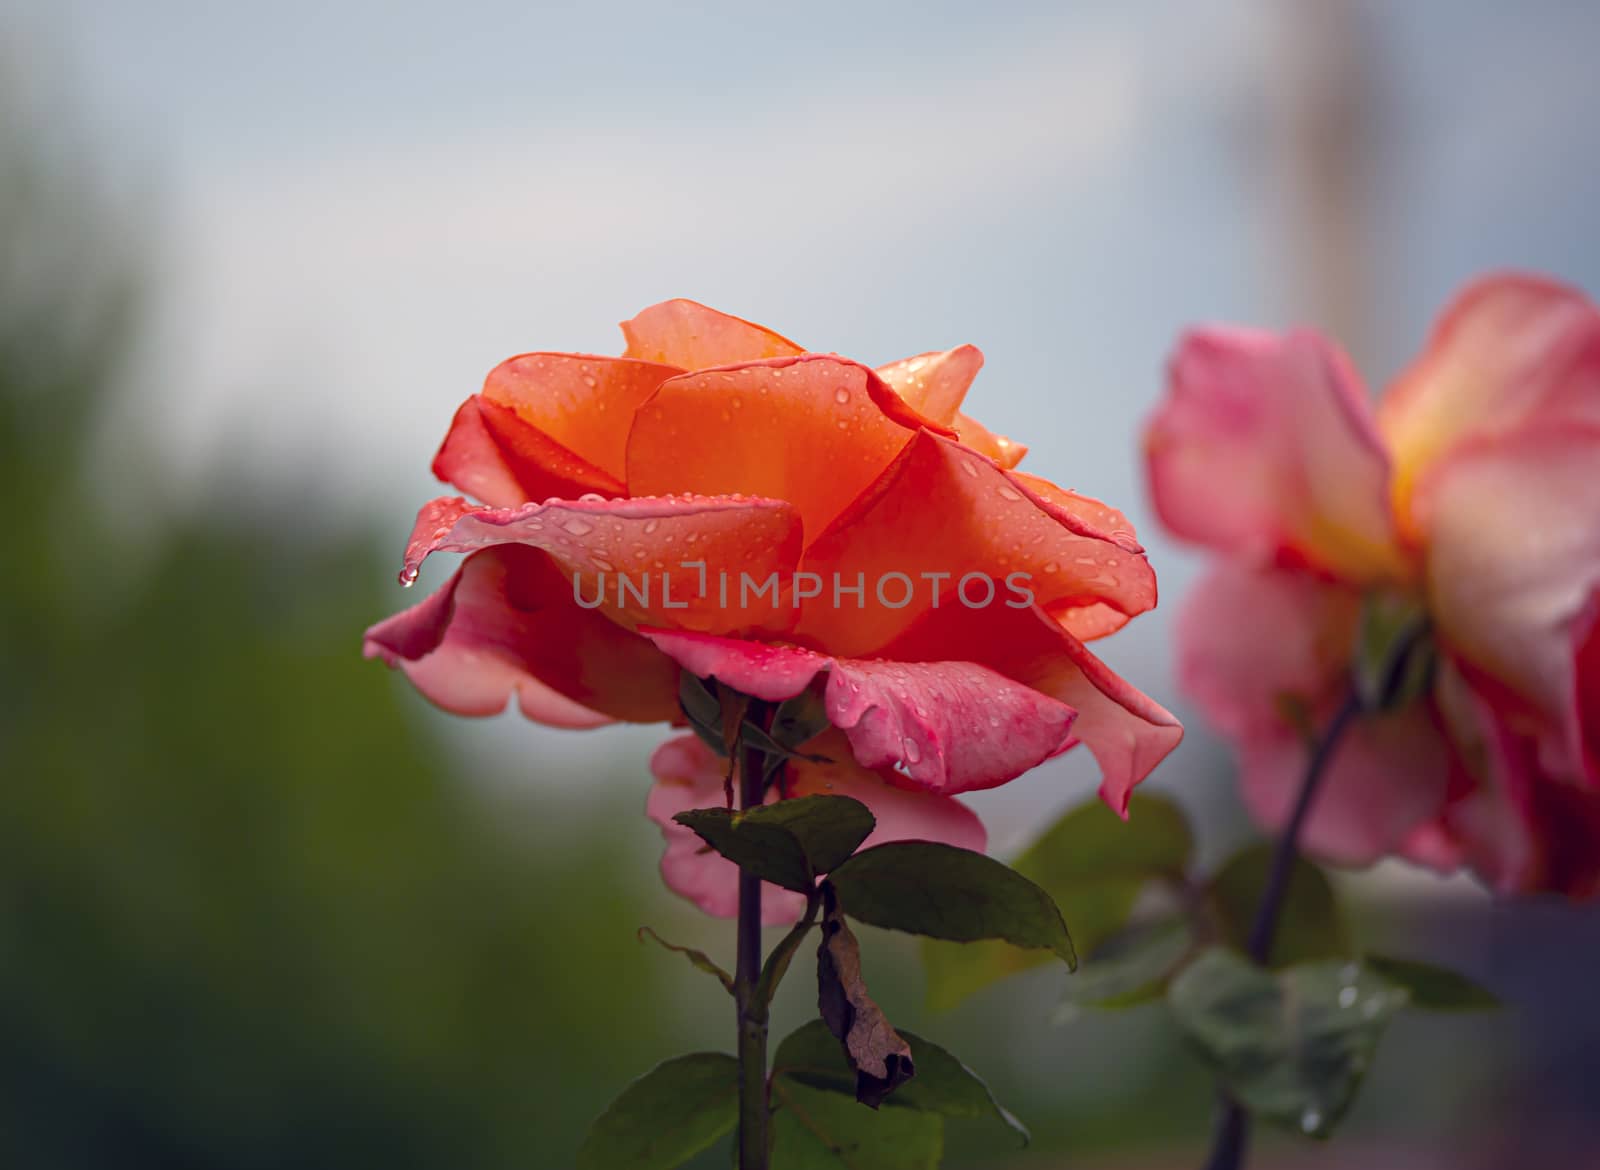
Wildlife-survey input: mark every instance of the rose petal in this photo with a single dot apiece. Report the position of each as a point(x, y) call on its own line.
point(1388, 777)
point(599, 544)
point(1087, 622)
point(689, 776)
point(1255, 645)
point(934, 384)
point(813, 430)
point(582, 402)
point(1513, 547)
point(939, 514)
point(1511, 350)
point(690, 336)
point(1127, 732)
point(1264, 449)
point(506, 625)
point(972, 433)
point(492, 454)
point(944, 726)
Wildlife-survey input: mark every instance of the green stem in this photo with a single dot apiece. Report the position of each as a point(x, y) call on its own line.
point(750, 997)
point(1231, 1138)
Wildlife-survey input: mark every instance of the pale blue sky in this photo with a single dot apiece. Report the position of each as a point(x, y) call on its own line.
point(364, 206)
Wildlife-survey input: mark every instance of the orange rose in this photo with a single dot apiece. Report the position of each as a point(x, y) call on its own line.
point(722, 500)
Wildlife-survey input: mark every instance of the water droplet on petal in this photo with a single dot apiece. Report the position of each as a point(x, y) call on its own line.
point(651, 526)
point(841, 396)
point(408, 576)
point(1008, 494)
point(913, 752)
point(578, 527)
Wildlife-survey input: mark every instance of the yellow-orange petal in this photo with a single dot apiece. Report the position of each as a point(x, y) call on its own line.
point(813, 430)
point(493, 455)
point(1511, 350)
point(691, 336)
point(582, 402)
point(934, 384)
point(1006, 452)
point(942, 513)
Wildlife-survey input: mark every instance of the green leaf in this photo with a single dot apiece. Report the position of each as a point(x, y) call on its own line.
point(1434, 989)
point(697, 959)
point(698, 701)
point(1095, 865)
point(926, 888)
point(1128, 969)
point(667, 1116)
point(818, 1130)
point(1292, 1045)
point(942, 1085)
point(799, 719)
point(1310, 925)
point(788, 843)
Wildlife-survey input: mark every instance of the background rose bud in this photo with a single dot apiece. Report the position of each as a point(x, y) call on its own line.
point(1471, 497)
point(715, 450)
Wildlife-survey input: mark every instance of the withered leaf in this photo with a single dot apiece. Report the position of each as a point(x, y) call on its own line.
point(880, 1057)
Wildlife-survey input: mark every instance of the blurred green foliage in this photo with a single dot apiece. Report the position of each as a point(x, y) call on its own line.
point(246, 917)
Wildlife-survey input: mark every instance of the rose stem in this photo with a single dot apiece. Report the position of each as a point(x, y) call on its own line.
point(749, 1002)
point(1231, 1138)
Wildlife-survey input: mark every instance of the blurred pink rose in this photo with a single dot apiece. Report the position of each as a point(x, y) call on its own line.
point(1473, 492)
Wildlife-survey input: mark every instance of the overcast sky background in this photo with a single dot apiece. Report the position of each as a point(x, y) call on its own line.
point(356, 209)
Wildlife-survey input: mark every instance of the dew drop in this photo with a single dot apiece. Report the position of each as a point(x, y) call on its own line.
point(1347, 996)
point(1051, 567)
point(601, 563)
point(913, 752)
point(1008, 494)
point(588, 380)
point(841, 396)
point(578, 527)
point(408, 577)
point(591, 498)
point(651, 526)
point(1310, 1121)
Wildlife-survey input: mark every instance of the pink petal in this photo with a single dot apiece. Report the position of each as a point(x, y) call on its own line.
point(1255, 644)
point(1388, 777)
point(689, 776)
point(946, 727)
point(942, 513)
point(1264, 449)
point(506, 625)
point(1127, 732)
point(690, 336)
point(597, 542)
point(1513, 547)
point(1511, 351)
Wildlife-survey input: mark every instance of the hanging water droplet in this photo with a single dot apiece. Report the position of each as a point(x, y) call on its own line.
point(1310, 1121)
point(408, 576)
